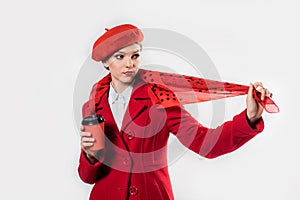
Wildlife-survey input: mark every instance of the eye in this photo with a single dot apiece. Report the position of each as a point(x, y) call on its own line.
point(119, 56)
point(135, 56)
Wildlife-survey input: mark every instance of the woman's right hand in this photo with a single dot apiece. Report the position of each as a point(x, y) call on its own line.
point(87, 141)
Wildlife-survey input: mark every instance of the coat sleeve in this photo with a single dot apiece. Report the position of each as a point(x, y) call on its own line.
point(88, 172)
point(208, 142)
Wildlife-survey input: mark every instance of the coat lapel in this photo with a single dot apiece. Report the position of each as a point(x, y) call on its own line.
point(111, 128)
point(139, 102)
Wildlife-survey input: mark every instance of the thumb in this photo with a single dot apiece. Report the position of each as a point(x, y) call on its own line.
point(250, 90)
point(82, 128)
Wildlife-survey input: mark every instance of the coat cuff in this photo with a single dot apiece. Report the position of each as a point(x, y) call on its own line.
point(241, 123)
point(85, 161)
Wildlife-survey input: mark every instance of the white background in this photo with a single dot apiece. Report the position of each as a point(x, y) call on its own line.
point(43, 45)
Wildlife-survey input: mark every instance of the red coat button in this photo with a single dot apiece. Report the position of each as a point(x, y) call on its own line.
point(130, 135)
point(133, 190)
point(125, 161)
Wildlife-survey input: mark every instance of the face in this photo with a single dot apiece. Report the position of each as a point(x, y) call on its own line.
point(124, 65)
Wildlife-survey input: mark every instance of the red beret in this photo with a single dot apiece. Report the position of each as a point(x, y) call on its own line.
point(114, 39)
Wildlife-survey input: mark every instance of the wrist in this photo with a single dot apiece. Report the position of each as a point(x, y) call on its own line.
point(252, 121)
point(95, 156)
point(91, 158)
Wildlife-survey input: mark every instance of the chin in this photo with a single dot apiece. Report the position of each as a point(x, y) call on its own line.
point(128, 80)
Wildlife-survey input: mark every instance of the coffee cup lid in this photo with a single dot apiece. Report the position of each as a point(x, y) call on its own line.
point(92, 119)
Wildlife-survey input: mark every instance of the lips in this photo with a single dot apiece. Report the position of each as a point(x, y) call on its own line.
point(128, 73)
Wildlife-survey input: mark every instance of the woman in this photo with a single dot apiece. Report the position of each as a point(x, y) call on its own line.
point(133, 164)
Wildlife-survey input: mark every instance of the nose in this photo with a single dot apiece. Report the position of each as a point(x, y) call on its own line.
point(129, 62)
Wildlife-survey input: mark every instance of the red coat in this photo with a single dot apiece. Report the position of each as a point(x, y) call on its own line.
point(134, 162)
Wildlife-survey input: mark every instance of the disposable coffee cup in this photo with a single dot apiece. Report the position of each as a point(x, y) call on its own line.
point(95, 125)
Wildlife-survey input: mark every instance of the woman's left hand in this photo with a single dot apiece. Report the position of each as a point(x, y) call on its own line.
point(254, 109)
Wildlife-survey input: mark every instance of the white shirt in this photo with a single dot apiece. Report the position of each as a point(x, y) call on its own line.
point(118, 103)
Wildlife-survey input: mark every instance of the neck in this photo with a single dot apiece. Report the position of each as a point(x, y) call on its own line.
point(119, 87)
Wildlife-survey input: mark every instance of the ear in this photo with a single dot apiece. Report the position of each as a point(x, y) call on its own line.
point(105, 65)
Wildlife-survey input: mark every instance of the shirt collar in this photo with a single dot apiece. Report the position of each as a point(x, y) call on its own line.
point(113, 95)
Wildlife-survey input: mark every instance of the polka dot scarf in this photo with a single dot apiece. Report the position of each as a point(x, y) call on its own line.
point(171, 89)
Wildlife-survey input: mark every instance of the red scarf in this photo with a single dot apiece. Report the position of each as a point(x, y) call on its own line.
point(168, 89)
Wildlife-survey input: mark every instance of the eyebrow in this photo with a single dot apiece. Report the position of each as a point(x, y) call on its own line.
point(128, 52)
